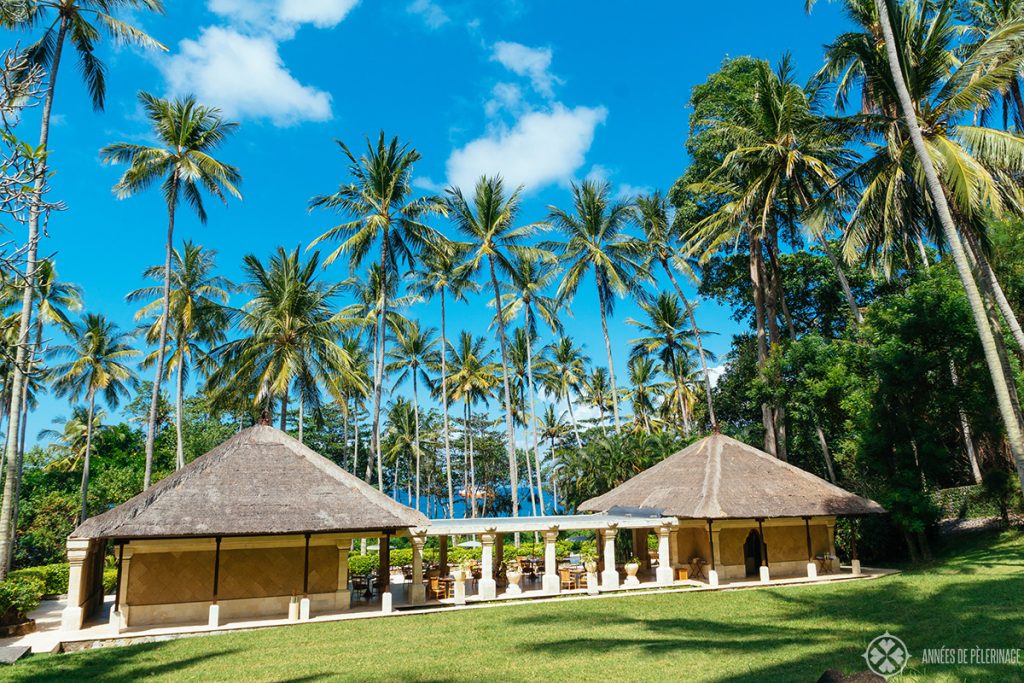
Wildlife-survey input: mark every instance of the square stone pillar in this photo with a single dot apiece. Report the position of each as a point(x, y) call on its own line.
point(488, 589)
point(344, 595)
point(552, 585)
point(79, 589)
point(664, 573)
point(610, 575)
point(417, 591)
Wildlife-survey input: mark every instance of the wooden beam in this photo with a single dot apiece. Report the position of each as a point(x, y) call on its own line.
point(216, 571)
point(117, 588)
point(764, 546)
point(385, 564)
point(807, 526)
point(711, 543)
point(305, 570)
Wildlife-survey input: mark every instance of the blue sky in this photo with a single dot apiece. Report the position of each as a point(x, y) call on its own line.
point(542, 92)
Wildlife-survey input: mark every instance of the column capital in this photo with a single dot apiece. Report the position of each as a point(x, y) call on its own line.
point(418, 540)
point(610, 531)
point(551, 535)
point(78, 550)
point(488, 537)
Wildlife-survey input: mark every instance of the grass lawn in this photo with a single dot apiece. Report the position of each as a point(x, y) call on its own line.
point(974, 596)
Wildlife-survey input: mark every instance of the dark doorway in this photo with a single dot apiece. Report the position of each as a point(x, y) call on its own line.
point(752, 553)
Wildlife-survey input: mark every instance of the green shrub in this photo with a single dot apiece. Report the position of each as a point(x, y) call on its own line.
point(109, 580)
point(362, 565)
point(53, 576)
point(18, 597)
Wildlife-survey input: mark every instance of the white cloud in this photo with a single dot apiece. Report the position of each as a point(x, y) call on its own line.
point(627, 191)
point(543, 147)
point(320, 13)
point(504, 97)
point(282, 17)
point(533, 62)
point(599, 173)
point(715, 373)
point(433, 15)
point(245, 76)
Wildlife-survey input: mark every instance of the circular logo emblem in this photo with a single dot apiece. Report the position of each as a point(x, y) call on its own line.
point(887, 655)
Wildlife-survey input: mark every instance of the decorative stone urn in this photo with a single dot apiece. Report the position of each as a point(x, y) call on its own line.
point(514, 576)
point(631, 569)
point(590, 566)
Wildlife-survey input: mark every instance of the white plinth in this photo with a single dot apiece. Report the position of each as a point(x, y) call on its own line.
point(713, 578)
point(592, 585)
point(632, 581)
point(812, 570)
point(552, 584)
point(488, 589)
point(304, 609)
point(385, 602)
point(664, 576)
point(609, 579)
point(765, 575)
point(460, 592)
point(293, 609)
point(856, 567)
point(214, 621)
point(513, 589)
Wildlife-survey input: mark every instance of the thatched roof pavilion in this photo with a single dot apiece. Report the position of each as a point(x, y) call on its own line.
point(722, 478)
point(249, 527)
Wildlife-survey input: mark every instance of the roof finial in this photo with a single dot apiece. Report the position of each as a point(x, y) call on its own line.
point(264, 418)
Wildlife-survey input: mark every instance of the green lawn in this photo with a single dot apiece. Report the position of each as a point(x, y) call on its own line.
point(973, 597)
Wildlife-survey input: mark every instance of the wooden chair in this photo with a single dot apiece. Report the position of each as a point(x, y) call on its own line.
point(568, 581)
point(441, 590)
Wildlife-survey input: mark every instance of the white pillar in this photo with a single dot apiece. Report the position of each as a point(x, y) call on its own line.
point(460, 586)
point(713, 578)
point(78, 592)
point(385, 602)
point(664, 573)
point(856, 567)
point(812, 570)
point(417, 592)
point(343, 599)
point(304, 608)
point(293, 608)
point(610, 576)
point(214, 616)
point(551, 584)
point(766, 575)
point(488, 589)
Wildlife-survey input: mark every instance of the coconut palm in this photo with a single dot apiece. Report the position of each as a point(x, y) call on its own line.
point(553, 428)
point(199, 318)
point(563, 370)
point(379, 203)
point(529, 278)
point(597, 392)
point(663, 237)
point(666, 334)
point(351, 390)
point(489, 225)
point(412, 355)
point(187, 133)
point(401, 441)
point(646, 389)
point(96, 362)
point(440, 273)
point(594, 239)
point(290, 337)
point(73, 437)
point(982, 19)
point(63, 19)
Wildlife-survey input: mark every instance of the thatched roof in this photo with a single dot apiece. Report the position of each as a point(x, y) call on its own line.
point(722, 478)
point(261, 481)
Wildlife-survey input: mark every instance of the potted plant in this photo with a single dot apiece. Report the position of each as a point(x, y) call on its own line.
point(590, 561)
point(514, 575)
point(632, 567)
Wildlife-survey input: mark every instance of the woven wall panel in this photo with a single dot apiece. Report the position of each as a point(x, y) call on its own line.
point(164, 578)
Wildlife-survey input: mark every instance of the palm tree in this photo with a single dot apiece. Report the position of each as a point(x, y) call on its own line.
point(380, 205)
point(663, 236)
point(351, 390)
point(665, 334)
point(594, 238)
point(199, 318)
point(489, 224)
point(597, 392)
point(473, 378)
point(97, 358)
point(975, 79)
point(291, 334)
point(401, 437)
point(440, 273)
point(982, 19)
point(553, 428)
point(529, 278)
point(188, 133)
point(73, 437)
point(413, 354)
point(564, 369)
point(74, 19)
point(646, 388)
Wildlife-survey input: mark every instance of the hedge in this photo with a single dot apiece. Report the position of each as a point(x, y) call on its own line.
point(18, 597)
point(53, 576)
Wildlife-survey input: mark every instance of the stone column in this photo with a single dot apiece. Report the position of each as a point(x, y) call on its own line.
point(551, 585)
point(417, 591)
point(812, 569)
point(442, 555)
point(834, 561)
point(78, 589)
point(664, 573)
point(344, 595)
point(460, 586)
point(488, 586)
point(716, 557)
point(765, 572)
point(610, 575)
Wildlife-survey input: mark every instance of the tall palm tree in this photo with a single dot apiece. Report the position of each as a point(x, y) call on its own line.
point(290, 336)
point(63, 19)
point(982, 19)
point(489, 224)
point(666, 335)
point(73, 437)
point(597, 391)
point(473, 379)
point(351, 390)
point(563, 370)
point(594, 239)
point(379, 203)
point(529, 279)
point(440, 273)
point(646, 388)
point(187, 133)
point(199, 318)
point(97, 360)
point(553, 428)
point(663, 237)
point(412, 355)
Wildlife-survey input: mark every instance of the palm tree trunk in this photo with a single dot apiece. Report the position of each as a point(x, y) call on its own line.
point(444, 409)
point(843, 282)
point(991, 285)
point(776, 301)
point(572, 416)
point(756, 269)
point(88, 456)
point(302, 416)
point(416, 414)
point(472, 465)
point(533, 409)
point(22, 353)
point(378, 370)
point(284, 412)
point(611, 362)
point(826, 453)
point(988, 344)
point(178, 407)
point(172, 201)
point(700, 345)
point(509, 426)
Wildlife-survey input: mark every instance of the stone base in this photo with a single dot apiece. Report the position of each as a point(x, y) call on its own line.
point(488, 589)
point(552, 584)
point(460, 592)
point(632, 581)
point(214, 620)
point(812, 570)
point(766, 575)
point(664, 576)
point(417, 593)
point(856, 567)
point(385, 603)
point(609, 579)
point(304, 609)
point(513, 589)
point(293, 609)
point(713, 578)
point(71, 619)
point(593, 588)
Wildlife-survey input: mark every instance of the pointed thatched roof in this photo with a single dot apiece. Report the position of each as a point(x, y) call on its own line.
point(722, 478)
point(259, 482)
